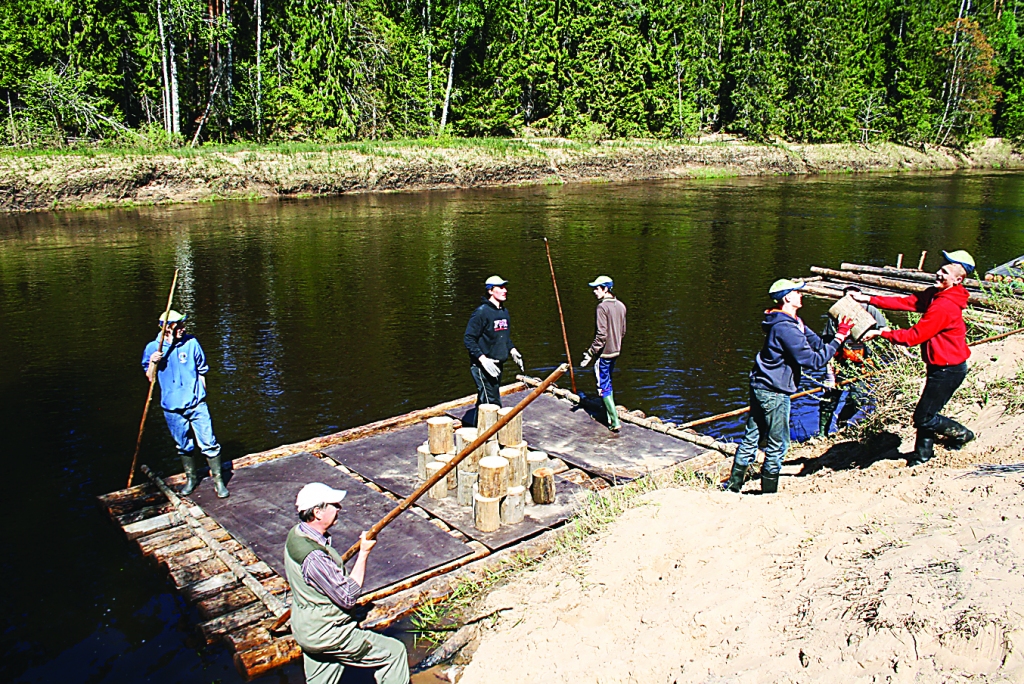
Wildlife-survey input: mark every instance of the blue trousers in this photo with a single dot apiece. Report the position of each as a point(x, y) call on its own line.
point(603, 369)
point(769, 415)
point(193, 426)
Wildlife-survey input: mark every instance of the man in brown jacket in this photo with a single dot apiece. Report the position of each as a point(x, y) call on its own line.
point(611, 328)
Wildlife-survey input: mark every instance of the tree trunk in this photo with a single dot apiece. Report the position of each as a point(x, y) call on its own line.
point(259, 69)
point(163, 66)
point(175, 113)
point(451, 72)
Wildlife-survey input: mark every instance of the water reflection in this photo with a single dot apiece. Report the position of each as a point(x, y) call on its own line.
point(321, 315)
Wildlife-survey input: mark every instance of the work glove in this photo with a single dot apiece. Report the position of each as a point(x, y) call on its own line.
point(587, 358)
point(518, 358)
point(489, 366)
point(845, 326)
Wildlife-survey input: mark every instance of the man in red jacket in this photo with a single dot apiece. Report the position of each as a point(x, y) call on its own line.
point(942, 334)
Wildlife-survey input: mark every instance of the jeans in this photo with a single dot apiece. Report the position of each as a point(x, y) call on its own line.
point(769, 415)
point(939, 386)
point(193, 426)
point(488, 389)
point(603, 369)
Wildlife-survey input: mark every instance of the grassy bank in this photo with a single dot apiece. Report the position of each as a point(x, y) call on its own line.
point(66, 179)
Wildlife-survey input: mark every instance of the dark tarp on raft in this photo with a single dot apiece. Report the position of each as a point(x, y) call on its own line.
point(576, 435)
point(261, 510)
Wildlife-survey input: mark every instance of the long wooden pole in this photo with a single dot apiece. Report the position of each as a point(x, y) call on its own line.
point(740, 412)
point(443, 472)
point(561, 318)
point(152, 379)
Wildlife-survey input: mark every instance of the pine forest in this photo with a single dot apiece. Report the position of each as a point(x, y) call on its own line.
point(180, 72)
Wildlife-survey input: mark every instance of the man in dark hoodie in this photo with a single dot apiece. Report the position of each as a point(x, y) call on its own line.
point(942, 334)
point(489, 342)
point(789, 347)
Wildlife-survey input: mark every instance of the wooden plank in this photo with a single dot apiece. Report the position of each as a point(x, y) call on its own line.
point(228, 601)
point(128, 505)
point(247, 638)
point(143, 513)
point(191, 575)
point(152, 525)
point(158, 540)
point(212, 629)
point(214, 582)
point(184, 546)
point(261, 660)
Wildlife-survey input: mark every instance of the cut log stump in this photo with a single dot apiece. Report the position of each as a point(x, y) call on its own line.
point(439, 490)
point(440, 434)
point(467, 483)
point(486, 512)
point(517, 471)
point(543, 487)
point(493, 482)
point(513, 506)
point(486, 416)
point(512, 433)
point(463, 438)
point(423, 459)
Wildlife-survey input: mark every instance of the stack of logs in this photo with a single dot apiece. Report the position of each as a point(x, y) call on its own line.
point(498, 479)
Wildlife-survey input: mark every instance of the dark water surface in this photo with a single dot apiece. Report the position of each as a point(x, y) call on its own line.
point(322, 315)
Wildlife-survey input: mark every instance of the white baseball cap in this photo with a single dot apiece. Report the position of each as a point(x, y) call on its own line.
point(316, 494)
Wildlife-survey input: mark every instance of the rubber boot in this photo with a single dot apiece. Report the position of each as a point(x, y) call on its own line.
point(218, 477)
point(923, 451)
point(613, 415)
point(957, 435)
point(769, 482)
point(188, 462)
point(735, 483)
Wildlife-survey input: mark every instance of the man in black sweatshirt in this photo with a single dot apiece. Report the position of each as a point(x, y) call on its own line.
point(489, 342)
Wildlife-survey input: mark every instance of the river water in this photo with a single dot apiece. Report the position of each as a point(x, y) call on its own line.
point(319, 315)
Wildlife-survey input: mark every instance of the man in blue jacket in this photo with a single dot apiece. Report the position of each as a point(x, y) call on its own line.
point(789, 347)
point(181, 368)
point(489, 342)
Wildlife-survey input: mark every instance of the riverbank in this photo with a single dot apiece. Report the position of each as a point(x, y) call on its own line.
point(73, 180)
point(860, 569)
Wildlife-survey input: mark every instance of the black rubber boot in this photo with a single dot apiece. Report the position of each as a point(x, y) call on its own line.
point(736, 478)
point(188, 462)
point(769, 482)
point(956, 435)
point(218, 477)
point(923, 451)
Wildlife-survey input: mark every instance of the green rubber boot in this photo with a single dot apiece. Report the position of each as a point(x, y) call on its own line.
point(218, 477)
point(735, 483)
point(769, 483)
point(613, 415)
point(188, 462)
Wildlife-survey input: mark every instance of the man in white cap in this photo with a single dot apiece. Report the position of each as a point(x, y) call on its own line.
point(489, 342)
point(323, 597)
point(607, 344)
point(942, 334)
point(789, 347)
point(181, 367)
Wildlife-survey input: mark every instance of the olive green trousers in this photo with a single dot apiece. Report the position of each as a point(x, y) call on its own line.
point(385, 655)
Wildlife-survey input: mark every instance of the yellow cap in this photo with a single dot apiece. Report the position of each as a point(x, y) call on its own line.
point(961, 257)
point(603, 281)
point(782, 287)
point(172, 317)
point(495, 281)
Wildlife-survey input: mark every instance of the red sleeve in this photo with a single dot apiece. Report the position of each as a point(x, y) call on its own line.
point(907, 303)
point(935, 320)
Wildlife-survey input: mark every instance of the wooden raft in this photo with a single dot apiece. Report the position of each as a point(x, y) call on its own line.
point(233, 614)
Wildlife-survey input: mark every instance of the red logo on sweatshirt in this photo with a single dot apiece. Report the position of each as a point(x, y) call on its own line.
point(500, 324)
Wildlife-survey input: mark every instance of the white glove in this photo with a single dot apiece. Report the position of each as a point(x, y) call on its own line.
point(518, 358)
point(489, 366)
point(587, 358)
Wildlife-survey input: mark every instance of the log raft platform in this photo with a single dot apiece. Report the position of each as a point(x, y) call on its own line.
point(225, 555)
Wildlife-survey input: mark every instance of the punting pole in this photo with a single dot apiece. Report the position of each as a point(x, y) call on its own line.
point(152, 379)
point(561, 318)
point(443, 472)
point(740, 412)
point(920, 264)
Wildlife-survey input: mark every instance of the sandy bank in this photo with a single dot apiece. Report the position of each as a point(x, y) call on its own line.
point(859, 570)
point(57, 181)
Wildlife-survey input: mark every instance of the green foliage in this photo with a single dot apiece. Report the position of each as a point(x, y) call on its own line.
point(84, 71)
